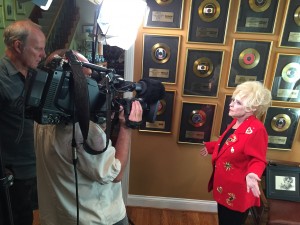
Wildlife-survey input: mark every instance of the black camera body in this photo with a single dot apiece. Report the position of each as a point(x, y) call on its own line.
point(50, 95)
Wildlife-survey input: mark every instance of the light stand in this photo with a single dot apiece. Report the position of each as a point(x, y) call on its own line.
point(5, 204)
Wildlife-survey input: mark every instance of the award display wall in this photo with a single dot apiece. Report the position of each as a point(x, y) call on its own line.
point(257, 16)
point(208, 21)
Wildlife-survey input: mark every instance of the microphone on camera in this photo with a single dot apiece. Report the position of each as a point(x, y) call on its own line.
point(150, 90)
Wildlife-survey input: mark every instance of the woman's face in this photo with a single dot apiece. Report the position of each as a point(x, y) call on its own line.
point(237, 108)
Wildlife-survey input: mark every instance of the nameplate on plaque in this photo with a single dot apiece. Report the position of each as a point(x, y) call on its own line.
point(294, 37)
point(241, 79)
point(162, 73)
point(199, 87)
point(287, 93)
point(207, 32)
point(194, 134)
point(257, 22)
point(158, 16)
point(156, 124)
point(277, 140)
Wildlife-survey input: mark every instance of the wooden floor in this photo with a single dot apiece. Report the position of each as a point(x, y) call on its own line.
point(152, 216)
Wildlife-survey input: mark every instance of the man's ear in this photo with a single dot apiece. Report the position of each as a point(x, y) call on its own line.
point(18, 46)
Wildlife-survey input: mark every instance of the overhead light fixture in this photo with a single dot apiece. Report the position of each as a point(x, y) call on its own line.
point(119, 21)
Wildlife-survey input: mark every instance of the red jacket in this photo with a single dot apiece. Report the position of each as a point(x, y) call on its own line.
point(244, 152)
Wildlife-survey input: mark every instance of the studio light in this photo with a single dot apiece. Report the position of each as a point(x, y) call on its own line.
point(119, 21)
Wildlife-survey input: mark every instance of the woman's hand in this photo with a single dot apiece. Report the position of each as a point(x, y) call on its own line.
point(203, 151)
point(252, 184)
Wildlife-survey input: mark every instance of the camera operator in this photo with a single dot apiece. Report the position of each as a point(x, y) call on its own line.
point(99, 176)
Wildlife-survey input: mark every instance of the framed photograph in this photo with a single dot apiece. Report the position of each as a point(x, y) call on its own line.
point(255, 17)
point(286, 81)
point(160, 57)
point(282, 182)
point(226, 119)
point(2, 20)
point(202, 72)
point(88, 28)
point(164, 115)
point(165, 14)
point(20, 9)
point(290, 36)
point(281, 124)
point(9, 9)
point(249, 61)
point(196, 122)
point(208, 21)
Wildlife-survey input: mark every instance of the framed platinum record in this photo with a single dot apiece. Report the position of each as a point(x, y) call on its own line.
point(160, 57)
point(165, 14)
point(286, 81)
point(281, 124)
point(196, 122)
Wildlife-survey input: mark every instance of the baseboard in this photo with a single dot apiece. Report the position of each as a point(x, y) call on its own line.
point(172, 203)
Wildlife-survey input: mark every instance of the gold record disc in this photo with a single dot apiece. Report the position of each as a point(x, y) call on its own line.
point(297, 16)
point(164, 2)
point(209, 10)
point(249, 58)
point(160, 53)
point(197, 118)
point(161, 108)
point(203, 67)
point(291, 72)
point(281, 122)
point(259, 5)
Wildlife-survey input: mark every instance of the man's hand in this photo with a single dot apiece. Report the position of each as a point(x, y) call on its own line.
point(135, 116)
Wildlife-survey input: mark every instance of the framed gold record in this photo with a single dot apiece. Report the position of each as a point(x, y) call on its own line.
point(165, 14)
point(257, 16)
point(160, 57)
point(208, 21)
point(202, 72)
point(249, 61)
point(196, 122)
point(286, 80)
point(290, 33)
point(163, 122)
point(281, 124)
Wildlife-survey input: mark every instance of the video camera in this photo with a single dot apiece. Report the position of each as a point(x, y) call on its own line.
point(50, 94)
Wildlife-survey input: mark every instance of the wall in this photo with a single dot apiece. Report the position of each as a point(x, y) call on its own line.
point(160, 166)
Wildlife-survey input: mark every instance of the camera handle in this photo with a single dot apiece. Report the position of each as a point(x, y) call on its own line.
point(5, 205)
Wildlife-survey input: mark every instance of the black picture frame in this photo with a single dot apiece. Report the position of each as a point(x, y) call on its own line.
point(281, 124)
point(286, 80)
point(282, 182)
point(160, 57)
point(249, 61)
point(163, 122)
point(196, 122)
point(202, 73)
point(290, 35)
point(226, 119)
point(165, 14)
point(253, 18)
point(208, 21)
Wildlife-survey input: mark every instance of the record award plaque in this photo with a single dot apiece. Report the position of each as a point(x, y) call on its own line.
point(163, 122)
point(202, 73)
point(257, 16)
point(196, 122)
point(165, 14)
point(281, 124)
point(208, 21)
point(249, 61)
point(160, 57)
point(290, 36)
point(286, 81)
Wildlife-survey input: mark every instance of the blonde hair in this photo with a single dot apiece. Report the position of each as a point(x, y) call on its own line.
point(256, 97)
